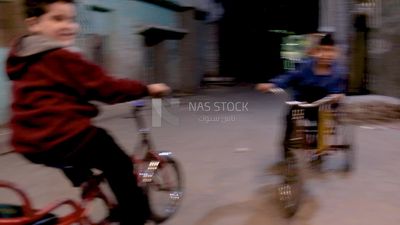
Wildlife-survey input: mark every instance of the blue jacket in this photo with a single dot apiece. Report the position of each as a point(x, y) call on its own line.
point(310, 87)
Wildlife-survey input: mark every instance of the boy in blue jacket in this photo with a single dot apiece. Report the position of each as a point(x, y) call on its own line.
point(316, 78)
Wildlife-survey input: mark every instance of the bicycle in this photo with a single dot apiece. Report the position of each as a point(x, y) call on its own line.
point(317, 139)
point(155, 172)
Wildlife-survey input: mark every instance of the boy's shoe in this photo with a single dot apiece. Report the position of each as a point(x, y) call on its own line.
point(90, 188)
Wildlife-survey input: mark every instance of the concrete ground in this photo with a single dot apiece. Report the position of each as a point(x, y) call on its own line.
point(227, 158)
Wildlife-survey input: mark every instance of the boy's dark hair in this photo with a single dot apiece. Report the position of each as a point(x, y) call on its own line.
point(327, 40)
point(36, 8)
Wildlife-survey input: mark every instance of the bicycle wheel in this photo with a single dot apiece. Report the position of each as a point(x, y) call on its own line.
point(290, 190)
point(344, 138)
point(347, 134)
point(297, 137)
point(165, 191)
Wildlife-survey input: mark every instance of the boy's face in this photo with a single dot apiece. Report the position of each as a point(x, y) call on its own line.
point(57, 23)
point(326, 54)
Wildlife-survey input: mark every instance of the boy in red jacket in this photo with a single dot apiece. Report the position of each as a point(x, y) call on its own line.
point(51, 113)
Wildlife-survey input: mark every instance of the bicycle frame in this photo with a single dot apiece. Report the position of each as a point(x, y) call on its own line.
point(156, 159)
point(29, 215)
point(325, 126)
point(290, 189)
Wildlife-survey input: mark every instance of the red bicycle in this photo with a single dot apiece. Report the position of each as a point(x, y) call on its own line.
point(158, 173)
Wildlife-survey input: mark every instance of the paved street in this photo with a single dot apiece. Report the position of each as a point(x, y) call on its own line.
point(227, 159)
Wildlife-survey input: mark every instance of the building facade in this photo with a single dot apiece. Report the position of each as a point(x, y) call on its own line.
point(383, 46)
point(368, 33)
point(148, 40)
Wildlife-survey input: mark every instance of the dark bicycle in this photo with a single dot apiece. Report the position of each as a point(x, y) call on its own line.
point(316, 136)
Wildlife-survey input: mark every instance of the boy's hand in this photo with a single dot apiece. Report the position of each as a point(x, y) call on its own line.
point(158, 89)
point(337, 97)
point(264, 87)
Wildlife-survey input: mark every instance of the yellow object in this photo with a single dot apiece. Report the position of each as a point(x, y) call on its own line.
point(325, 115)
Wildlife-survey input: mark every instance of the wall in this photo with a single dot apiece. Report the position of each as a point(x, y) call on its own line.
point(335, 16)
point(118, 22)
point(4, 89)
point(384, 51)
point(11, 26)
point(125, 46)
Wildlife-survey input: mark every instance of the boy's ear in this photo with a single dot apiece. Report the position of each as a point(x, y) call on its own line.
point(31, 23)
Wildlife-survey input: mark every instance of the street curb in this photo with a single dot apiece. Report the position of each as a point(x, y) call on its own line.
point(372, 109)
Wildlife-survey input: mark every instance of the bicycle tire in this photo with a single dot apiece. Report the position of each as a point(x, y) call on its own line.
point(290, 190)
point(169, 168)
point(345, 130)
point(348, 147)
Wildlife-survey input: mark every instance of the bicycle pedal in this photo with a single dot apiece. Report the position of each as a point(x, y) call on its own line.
point(147, 176)
point(153, 165)
point(90, 189)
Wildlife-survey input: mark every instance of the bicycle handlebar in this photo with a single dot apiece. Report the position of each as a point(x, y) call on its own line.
point(138, 103)
point(322, 101)
point(277, 90)
point(325, 100)
point(140, 122)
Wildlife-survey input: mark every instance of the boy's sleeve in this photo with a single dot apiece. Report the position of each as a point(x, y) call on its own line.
point(340, 82)
point(285, 80)
point(93, 83)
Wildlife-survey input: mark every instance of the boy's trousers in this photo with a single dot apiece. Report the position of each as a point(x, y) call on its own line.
point(99, 150)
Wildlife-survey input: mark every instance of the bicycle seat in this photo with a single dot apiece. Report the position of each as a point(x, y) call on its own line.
point(8, 211)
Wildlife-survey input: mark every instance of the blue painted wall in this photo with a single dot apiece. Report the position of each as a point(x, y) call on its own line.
point(122, 24)
point(4, 88)
point(138, 12)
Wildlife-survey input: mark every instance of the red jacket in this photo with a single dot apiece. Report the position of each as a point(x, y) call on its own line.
point(51, 89)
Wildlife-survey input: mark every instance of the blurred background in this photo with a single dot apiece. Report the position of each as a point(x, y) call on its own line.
point(186, 43)
point(212, 51)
